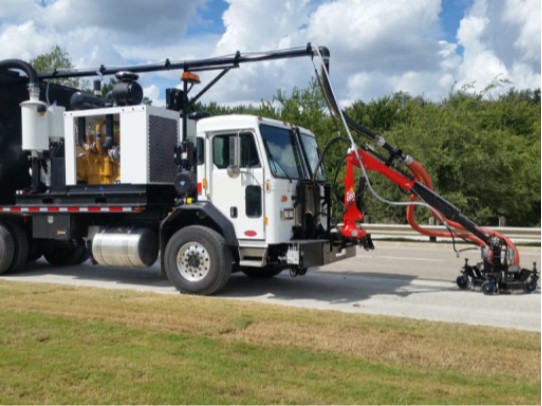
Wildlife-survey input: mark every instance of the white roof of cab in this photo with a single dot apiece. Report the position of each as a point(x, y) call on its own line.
point(239, 121)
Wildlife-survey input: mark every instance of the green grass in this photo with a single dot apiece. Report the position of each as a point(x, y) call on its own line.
point(66, 345)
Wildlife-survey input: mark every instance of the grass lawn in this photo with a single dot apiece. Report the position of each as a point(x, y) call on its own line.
point(68, 345)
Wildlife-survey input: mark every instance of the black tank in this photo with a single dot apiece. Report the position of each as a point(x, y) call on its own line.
point(14, 163)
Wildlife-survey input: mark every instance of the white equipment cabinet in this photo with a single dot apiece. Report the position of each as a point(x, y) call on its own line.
point(147, 136)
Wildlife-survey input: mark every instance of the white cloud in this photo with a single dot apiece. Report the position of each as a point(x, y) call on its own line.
point(388, 35)
point(501, 40)
point(153, 93)
point(480, 66)
point(150, 22)
point(92, 31)
point(525, 15)
point(25, 41)
point(433, 86)
point(377, 47)
point(382, 47)
point(18, 10)
point(262, 26)
point(524, 77)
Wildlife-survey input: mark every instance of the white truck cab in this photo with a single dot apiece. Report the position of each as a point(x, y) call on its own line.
point(249, 169)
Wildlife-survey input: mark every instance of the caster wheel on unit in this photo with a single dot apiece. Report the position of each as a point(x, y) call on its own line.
point(531, 286)
point(462, 281)
point(489, 287)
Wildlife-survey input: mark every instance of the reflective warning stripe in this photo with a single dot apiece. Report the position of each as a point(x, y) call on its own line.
point(70, 209)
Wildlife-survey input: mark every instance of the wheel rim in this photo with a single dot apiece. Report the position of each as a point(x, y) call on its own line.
point(193, 261)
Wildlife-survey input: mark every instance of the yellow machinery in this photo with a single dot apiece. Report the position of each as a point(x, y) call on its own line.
point(95, 165)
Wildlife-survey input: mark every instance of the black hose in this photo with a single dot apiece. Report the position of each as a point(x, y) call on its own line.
point(353, 125)
point(324, 152)
point(340, 199)
point(25, 67)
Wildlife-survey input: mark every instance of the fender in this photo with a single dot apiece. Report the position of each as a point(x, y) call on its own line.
point(202, 213)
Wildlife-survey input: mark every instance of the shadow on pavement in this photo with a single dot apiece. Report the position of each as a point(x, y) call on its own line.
point(318, 285)
point(332, 288)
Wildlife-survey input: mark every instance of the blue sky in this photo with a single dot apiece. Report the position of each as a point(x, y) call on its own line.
point(423, 47)
point(451, 15)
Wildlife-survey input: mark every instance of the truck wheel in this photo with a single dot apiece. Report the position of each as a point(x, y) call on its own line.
point(197, 260)
point(65, 253)
point(7, 248)
point(261, 273)
point(20, 240)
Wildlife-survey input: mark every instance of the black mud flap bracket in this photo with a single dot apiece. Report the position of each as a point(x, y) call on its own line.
point(304, 254)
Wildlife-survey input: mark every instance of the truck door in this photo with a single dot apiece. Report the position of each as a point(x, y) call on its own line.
point(238, 194)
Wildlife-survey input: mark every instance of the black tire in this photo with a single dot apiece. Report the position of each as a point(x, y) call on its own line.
point(462, 281)
point(531, 285)
point(84, 252)
point(20, 240)
point(261, 273)
point(65, 253)
point(197, 260)
point(489, 287)
point(7, 248)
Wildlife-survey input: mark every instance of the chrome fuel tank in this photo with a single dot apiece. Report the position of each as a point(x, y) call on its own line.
point(129, 247)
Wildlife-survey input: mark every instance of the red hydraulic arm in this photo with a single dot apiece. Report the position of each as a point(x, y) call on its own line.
point(353, 214)
point(419, 185)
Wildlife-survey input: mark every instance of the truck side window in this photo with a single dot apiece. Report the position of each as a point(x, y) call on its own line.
point(221, 151)
point(253, 201)
point(249, 151)
point(200, 151)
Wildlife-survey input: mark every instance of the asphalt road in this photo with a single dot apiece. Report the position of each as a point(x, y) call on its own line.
point(399, 279)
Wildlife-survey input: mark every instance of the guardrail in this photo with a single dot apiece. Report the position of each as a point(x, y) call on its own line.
point(383, 231)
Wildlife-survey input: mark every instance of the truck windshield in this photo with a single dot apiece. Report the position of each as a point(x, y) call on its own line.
point(313, 155)
point(285, 159)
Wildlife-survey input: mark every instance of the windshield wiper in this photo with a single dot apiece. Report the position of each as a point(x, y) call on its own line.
point(277, 166)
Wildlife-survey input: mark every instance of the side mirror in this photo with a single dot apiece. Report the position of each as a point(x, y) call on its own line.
point(233, 167)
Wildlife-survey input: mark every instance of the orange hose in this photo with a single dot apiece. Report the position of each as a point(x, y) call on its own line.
point(420, 174)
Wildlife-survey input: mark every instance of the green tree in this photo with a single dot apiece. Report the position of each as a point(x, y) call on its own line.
point(56, 59)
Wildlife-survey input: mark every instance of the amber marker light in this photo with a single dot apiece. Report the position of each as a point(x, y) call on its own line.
point(190, 77)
